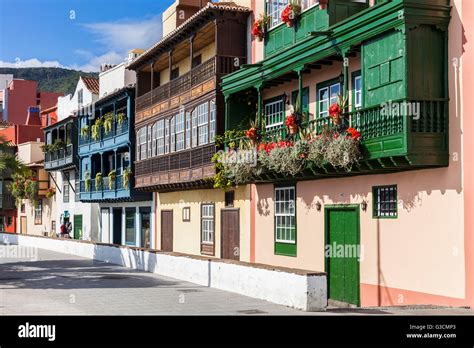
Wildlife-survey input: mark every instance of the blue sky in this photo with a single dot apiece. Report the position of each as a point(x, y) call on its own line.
point(79, 34)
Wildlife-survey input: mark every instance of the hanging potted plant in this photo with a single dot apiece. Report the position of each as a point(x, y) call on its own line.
point(259, 28)
point(336, 109)
point(127, 173)
point(291, 124)
point(85, 131)
point(46, 148)
point(50, 192)
point(107, 122)
point(291, 13)
point(253, 133)
point(98, 181)
point(87, 181)
point(95, 130)
point(121, 118)
point(111, 180)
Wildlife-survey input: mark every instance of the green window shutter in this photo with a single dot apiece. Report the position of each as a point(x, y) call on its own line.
point(384, 69)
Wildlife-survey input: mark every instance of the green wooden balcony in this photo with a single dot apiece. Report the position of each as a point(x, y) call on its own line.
point(389, 142)
point(311, 20)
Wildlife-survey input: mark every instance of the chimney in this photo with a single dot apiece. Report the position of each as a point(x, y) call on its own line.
point(33, 118)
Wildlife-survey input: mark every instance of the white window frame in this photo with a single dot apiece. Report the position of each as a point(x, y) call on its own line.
point(274, 114)
point(207, 223)
point(285, 214)
point(203, 124)
point(179, 129)
point(160, 132)
point(173, 134)
point(212, 121)
point(274, 10)
point(194, 128)
point(330, 100)
point(358, 92)
point(188, 130)
point(142, 143)
point(154, 139)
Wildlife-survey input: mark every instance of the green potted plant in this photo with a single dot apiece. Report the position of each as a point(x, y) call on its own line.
point(112, 177)
point(107, 122)
point(98, 181)
point(87, 181)
point(127, 173)
point(121, 118)
point(46, 148)
point(85, 131)
point(95, 129)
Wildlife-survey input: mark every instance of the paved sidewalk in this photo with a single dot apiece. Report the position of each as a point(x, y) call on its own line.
point(59, 284)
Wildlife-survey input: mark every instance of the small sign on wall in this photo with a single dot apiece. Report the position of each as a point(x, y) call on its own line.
point(186, 214)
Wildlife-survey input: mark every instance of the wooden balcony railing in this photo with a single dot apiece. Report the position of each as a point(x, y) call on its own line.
point(58, 158)
point(218, 65)
point(376, 121)
point(183, 160)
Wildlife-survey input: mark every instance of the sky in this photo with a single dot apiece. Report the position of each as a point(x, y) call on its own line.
point(76, 34)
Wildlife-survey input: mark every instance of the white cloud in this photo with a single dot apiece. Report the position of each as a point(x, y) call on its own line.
point(30, 63)
point(116, 39)
point(94, 62)
point(122, 36)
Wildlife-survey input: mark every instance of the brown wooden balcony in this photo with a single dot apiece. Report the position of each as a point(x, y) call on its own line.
point(189, 86)
point(184, 169)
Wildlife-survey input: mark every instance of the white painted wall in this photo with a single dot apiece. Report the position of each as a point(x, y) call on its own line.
point(115, 79)
point(67, 105)
point(282, 286)
point(89, 211)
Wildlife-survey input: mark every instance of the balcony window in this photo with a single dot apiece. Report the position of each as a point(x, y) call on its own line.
point(188, 130)
point(161, 136)
point(327, 96)
point(274, 10)
point(194, 128)
point(173, 134)
point(154, 138)
point(149, 139)
point(142, 143)
point(203, 126)
point(357, 91)
point(180, 131)
point(167, 136)
point(275, 113)
point(212, 121)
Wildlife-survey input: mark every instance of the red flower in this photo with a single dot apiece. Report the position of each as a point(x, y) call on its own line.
point(334, 110)
point(288, 14)
point(290, 121)
point(251, 133)
point(256, 29)
point(262, 147)
point(353, 133)
point(270, 147)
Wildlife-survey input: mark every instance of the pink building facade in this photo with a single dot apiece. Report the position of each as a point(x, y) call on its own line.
point(425, 254)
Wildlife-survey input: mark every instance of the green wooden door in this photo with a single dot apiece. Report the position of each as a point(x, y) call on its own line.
point(342, 254)
point(78, 227)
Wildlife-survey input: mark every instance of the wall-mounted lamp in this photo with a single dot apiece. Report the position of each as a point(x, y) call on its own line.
point(318, 206)
point(364, 205)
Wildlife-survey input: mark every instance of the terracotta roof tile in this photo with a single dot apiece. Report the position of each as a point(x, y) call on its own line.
point(223, 6)
point(92, 84)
